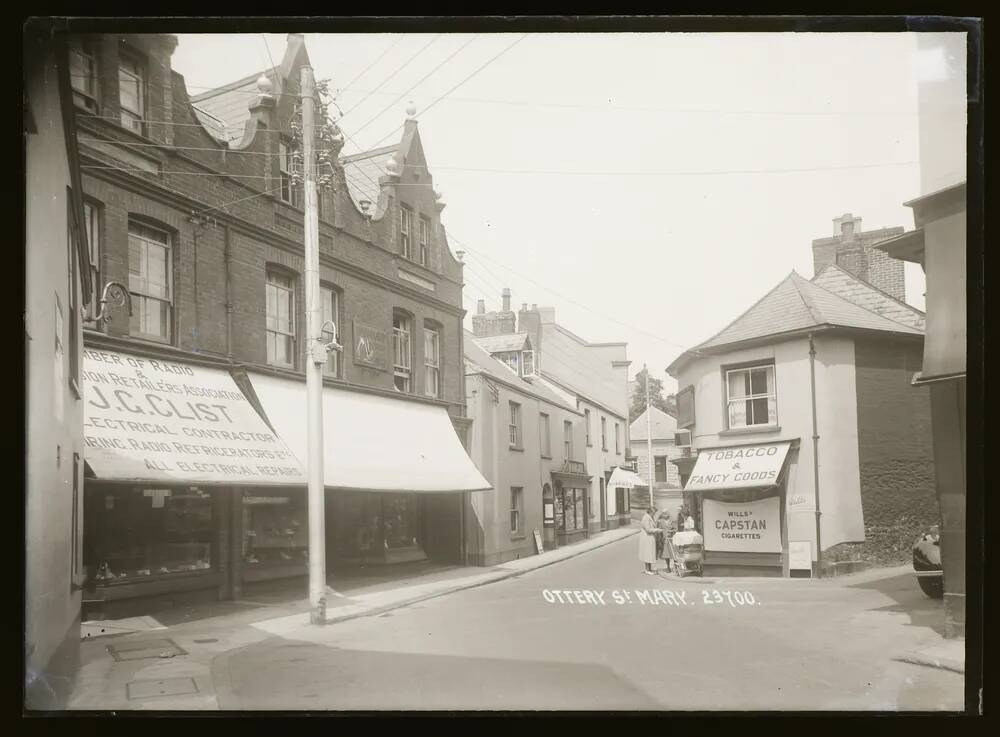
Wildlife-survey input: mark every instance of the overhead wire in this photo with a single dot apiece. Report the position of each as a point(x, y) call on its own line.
point(412, 87)
point(463, 81)
point(377, 60)
point(399, 69)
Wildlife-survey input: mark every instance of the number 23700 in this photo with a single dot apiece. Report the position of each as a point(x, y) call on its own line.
point(733, 598)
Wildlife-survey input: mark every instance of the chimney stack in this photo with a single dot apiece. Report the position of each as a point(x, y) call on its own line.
point(481, 307)
point(505, 295)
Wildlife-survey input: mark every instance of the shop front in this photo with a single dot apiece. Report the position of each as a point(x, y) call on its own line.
point(570, 503)
point(395, 472)
point(170, 451)
point(618, 490)
point(738, 498)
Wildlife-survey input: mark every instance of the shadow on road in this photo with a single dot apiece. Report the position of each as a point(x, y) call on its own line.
point(904, 590)
point(293, 675)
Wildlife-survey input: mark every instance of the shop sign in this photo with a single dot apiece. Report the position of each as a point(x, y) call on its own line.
point(153, 420)
point(369, 346)
point(741, 467)
point(538, 542)
point(742, 527)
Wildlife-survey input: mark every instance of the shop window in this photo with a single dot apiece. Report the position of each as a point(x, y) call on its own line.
point(516, 502)
point(660, 468)
point(543, 431)
point(586, 424)
point(280, 319)
point(425, 241)
point(750, 396)
point(140, 533)
point(131, 91)
point(432, 362)
point(83, 73)
point(331, 313)
point(275, 529)
point(405, 231)
point(514, 427)
point(568, 440)
point(401, 350)
point(400, 521)
point(150, 280)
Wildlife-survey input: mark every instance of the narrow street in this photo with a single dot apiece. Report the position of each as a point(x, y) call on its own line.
point(801, 645)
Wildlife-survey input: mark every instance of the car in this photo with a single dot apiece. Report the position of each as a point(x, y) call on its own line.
point(927, 563)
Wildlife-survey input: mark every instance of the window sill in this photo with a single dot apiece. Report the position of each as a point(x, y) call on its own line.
point(518, 448)
point(547, 458)
point(752, 430)
point(516, 536)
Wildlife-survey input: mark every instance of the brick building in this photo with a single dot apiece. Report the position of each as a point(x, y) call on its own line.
point(852, 249)
point(804, 422)
point(192, 203)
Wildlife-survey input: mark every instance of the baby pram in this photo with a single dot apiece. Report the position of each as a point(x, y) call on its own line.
point(686, 558)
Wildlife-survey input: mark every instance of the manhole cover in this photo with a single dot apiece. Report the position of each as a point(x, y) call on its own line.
point(161, 687)
point(142, 649)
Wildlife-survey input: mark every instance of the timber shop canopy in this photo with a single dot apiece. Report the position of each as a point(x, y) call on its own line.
point(155, 421)
point(372, 442)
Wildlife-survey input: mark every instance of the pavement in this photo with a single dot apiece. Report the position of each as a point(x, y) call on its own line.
point(578, 628)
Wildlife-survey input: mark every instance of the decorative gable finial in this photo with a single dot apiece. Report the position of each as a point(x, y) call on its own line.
point(392, 167)
point(411, 111)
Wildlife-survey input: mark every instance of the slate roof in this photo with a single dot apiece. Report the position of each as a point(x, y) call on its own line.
point(477, 360)
point(663, 426)
point(798, 304)
point(230, 104)
point(860, 292)
point(362, 171)
point(506, 342)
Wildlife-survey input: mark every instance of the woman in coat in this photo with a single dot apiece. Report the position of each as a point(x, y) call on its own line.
point(647, 541)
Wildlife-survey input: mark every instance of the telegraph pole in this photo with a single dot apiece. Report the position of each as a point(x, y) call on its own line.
point(649, 437)
point(316, 356)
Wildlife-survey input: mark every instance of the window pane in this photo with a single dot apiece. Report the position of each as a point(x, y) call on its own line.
point(772, 413)
point(737, 384)
point(737, 414)
point(581, 518)
point(760, 411)
point(759, 381)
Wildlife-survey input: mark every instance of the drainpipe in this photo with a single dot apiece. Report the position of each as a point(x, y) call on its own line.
point(228, 257)
point(812, 382)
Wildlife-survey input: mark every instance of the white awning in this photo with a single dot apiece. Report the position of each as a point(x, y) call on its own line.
point(622, 477)
point(371, 442)
point(149, 420)
point(738, 467)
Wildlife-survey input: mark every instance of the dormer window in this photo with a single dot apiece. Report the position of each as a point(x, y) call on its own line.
point(83, 74)
point(131, 92)
point(425, 241)
point(405, 231)
point(527, 363)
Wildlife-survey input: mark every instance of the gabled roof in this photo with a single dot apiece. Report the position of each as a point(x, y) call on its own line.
point(504, 343)
point(796, 304)
point(663, 425)
point(836, 279)
point(477, 360)
point(362, 171)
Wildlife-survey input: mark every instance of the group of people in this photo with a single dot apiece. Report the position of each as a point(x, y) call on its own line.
point(660, 532)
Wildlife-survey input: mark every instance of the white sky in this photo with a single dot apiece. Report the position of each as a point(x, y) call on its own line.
point(651, 245)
